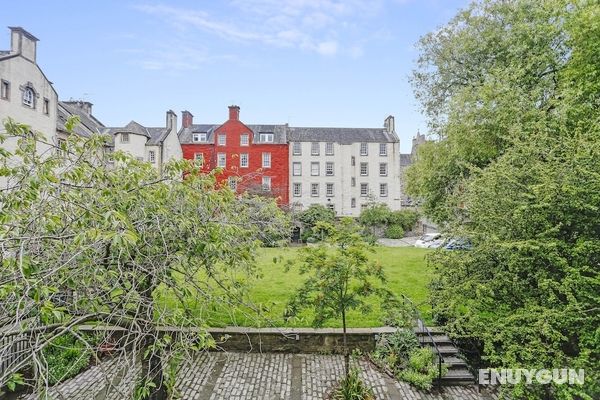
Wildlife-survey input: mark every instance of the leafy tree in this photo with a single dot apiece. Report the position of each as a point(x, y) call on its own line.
point(88, 239)
point(340, 277)
point(312, 216)
point(511, 89)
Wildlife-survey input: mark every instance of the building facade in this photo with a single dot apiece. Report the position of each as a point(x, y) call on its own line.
point(253, 158)
point(344, 168)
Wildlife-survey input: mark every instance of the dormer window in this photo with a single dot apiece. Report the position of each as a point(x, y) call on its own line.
point(266, 137)
point(29, 98)
point(198, 137)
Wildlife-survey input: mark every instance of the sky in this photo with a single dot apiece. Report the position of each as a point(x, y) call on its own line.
point(343, 63)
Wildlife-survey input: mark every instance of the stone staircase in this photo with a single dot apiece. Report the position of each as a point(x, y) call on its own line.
point(458, 372)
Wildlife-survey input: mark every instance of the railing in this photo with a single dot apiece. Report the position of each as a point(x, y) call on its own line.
point(421, 328)
point(14, 348)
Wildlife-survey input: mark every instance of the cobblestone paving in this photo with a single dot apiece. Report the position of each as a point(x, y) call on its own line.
point(240, 376)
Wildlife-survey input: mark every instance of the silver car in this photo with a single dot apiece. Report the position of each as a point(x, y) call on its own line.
point(429, 240)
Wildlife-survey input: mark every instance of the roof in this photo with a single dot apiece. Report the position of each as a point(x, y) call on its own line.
point(24, 32)
point(88, 123)
point(405, 160)
point(285, 133)
point(155, 135)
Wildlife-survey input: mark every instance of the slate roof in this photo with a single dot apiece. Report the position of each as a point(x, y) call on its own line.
point(155, 135)
point(284, 134)
point(88, 124)
point(405, 160)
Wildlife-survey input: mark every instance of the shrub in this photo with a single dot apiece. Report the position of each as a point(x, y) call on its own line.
point(394, 349)
point(422, 368)
point(310, 217)
point(66, 356)
point(375, 215)
point(352, 388)
point(394, 232)
point(407, 219)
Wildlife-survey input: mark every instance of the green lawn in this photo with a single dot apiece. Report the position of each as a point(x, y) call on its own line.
point(405, 268)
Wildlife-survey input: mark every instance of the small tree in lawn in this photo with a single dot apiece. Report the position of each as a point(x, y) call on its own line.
point(340, 277)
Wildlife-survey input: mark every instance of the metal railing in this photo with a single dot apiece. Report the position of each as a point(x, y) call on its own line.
point(423, 329)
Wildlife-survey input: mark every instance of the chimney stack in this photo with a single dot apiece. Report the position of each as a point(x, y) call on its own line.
point(85, 106)
point(234, 113)
point(23, 43)
point(390, 125)
point(187, 119)
point(171, 120)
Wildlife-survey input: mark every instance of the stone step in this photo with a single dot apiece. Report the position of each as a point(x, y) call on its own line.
point(453, 361)
point(458, 377)
point(439, 339)
point(445, 350)
point(434, 330)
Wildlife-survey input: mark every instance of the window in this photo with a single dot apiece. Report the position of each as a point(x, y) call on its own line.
point(124, 137)
point(297, 189)
point(382, 169)
point(266, 183)
point(198, 137)
point(199, 158)
point(297, 148)
point(314, 149)
point(244, 139)
point(315, 169)
point(5, 90)
point(353, 202)
point(266, 160)
point(152, 156)
point(221, 140)
point(297, 169)
point(364, 189)
point(329, 149)
point(353, 161)
point(46, 107)
point(266, 137)
point(364, 169)
point(353, 181)
point(314, 189)
point(232, 181)
point(221, 160)
point(383, 149)
point(383, 192)
point(29, 98)
point(244, 160)
point(329, 189)
point(364, 149)
point(331, 206)
point(329, 168)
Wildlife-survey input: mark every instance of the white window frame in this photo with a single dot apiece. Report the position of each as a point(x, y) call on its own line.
point(297, 189)
point(364, 149)
point(366, 169)
point(232, 181)
point(314, 193)
point(266, 183)
point(383, 149)
point(315, 148)
point(244, 160)
point(329, 148)
point(124, 137)
point(312, 169)
point(266, 137)
point(266, 160)
point(152, 156)
point(244, 139)
point(199, 137)
point(384, 171)
point(297, 149)
point(222, 139)
point(29, 97)
point(221, 157)
point(200, 159)
point(383, 190)
point(329, 167)
point(364, 193)
point(328, 192)
point(296, 168)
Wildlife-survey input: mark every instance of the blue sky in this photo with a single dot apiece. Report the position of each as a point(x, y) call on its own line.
point(302, 62)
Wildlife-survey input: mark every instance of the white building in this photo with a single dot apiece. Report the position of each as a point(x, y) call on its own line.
point(344, 168)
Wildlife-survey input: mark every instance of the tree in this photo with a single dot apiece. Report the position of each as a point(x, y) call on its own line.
point(311, 217)
point(340, 277)
point(92, 239)
point(511, 88)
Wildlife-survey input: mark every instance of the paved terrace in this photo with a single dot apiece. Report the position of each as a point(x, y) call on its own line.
point(249, 376)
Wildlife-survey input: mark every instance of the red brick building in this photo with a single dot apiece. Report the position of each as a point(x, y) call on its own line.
point(253, 157)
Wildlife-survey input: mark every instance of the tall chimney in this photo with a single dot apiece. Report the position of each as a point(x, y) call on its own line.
point(390, 124)
point(23, 43)
point(234, 113)
point(171, 120)
point(187, 119)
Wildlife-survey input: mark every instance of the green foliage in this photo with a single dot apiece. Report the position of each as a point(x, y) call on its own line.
point(422, 368)
point(375, 214)
point(394, 349)
point(14, 381)
point(310, 218)
point(511, 89)
point(351, 387)
point(394, 232)
point(65, 356)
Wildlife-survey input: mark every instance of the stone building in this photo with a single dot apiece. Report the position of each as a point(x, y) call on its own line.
point(344, 168)
point(253, 157)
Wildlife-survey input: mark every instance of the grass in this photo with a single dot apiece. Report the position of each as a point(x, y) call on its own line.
point(405, 268)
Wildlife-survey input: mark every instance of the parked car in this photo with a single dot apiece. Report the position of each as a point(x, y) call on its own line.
point(458, 244)
point(429, 239)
